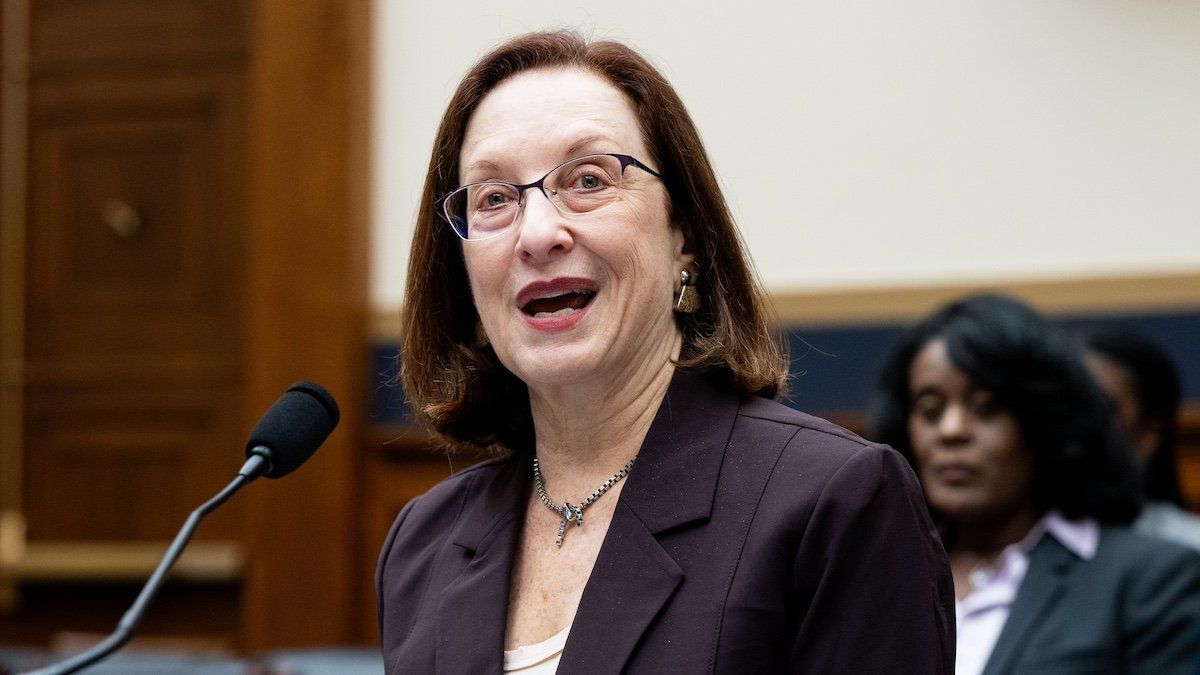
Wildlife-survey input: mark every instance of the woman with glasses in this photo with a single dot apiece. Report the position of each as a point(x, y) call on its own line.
point(1032, 488)
point(579, 302)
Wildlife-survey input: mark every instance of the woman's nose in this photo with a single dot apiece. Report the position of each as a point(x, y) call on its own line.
point(542, 232)
point(955, 424)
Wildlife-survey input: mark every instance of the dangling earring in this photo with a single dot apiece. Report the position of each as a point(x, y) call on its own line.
point(689, 298)
point(481, 336)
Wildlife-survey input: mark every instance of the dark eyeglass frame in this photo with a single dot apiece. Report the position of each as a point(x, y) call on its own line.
point(460, 228)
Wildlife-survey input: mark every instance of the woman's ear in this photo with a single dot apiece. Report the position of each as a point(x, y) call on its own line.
point(685, 255)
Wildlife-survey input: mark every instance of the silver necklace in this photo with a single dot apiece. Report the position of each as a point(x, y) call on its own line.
point(569, 511)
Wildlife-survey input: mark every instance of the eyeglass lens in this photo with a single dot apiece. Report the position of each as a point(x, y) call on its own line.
point(584, 184)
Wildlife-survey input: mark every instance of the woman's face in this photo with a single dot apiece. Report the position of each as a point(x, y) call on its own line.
point(623, 260)
point(971, 458)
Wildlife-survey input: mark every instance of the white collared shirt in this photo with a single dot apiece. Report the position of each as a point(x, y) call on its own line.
point(981, 615)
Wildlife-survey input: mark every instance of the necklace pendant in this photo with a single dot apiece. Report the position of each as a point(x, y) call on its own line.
point(571, 512)
point(562, 530)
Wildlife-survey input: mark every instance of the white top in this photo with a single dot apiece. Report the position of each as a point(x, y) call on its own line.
point(537, 659)
point(981, 615)
point(1164, 520)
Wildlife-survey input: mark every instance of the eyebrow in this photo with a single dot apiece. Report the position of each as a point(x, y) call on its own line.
point(924, 391)
point(481, 164)
point(584, 142)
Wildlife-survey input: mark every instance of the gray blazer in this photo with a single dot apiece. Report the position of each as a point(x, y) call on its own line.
point(1133, 608)
point(749, 538)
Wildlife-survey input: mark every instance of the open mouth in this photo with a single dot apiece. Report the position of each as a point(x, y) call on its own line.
point(558, 303)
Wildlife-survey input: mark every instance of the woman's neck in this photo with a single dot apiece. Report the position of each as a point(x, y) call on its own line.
point(988, 537)
point(588, 430)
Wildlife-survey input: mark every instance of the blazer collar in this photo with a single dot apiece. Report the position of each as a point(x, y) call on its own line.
point(675, 479)
point(1045, 581)
point(496, 499)
point(473, 609)
point(673, 483)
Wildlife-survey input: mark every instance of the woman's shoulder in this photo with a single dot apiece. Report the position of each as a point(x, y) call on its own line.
point(821, 462)
point(819, 442)
point(458, 483)
point(1156, 584)
point(1126, 550)
point(431, 516)
point(1164, 520)
point(814, 428)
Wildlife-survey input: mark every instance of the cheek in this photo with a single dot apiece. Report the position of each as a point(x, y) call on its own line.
point(920, 437)
point(1002, 446)
point(920, 440)
point(485, 278)
point(1007, 462)
point(640, 251)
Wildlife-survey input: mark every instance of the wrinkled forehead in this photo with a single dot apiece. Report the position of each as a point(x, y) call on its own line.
point(539, 118)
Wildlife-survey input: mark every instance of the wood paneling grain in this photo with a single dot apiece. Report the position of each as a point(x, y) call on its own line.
point(70, 36)
point(131, 367)
point(307, 309)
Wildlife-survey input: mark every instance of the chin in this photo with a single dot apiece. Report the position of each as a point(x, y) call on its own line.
point(959, 507)
point(553, 365)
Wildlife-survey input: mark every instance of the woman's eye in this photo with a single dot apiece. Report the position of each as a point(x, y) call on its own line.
point(927, 411)
point(589, 181)
point(987, 407)
point(492, 200)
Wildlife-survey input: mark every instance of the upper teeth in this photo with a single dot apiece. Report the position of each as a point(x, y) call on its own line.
point(555, 294)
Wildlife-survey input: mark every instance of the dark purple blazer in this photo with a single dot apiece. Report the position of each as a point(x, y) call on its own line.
point(749, 538)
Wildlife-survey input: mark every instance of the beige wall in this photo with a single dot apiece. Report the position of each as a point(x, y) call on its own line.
point(873, 144)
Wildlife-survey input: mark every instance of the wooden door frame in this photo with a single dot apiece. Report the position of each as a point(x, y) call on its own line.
point(14, 52)
point(307, 280)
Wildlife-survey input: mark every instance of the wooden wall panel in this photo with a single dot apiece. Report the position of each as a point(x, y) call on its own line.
point(133, 338)
point(167, 289)
point(237, 134)
point(75, 35)
point(307, 309)
point(131, 369)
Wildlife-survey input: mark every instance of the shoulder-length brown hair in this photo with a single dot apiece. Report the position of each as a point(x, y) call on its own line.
point(455, 383)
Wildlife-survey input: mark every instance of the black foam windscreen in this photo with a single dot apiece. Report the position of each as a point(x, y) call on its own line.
point(294, 427)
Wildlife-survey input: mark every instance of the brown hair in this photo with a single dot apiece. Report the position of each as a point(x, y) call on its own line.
point(458, 386)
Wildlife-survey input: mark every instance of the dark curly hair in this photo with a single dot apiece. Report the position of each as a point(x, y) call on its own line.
point(1157, 391)
point(1082, 465)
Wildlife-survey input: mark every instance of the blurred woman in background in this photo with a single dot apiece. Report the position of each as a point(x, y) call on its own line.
point(1143, 387)
point(1032, 487)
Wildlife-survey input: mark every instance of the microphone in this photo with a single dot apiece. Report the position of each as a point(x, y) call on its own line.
point(291, 431)
point(284, 438)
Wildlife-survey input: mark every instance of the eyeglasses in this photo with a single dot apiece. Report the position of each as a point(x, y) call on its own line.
point(580, 185)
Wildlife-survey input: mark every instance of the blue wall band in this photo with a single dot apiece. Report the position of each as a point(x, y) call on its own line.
point(835, 369)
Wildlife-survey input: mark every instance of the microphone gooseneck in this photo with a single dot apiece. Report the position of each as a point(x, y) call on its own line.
point(286, 436)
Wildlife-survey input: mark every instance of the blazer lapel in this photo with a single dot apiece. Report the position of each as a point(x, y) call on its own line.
point(473, 609)
point(673, 484)
point(631, 581)
point(1045, 581)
